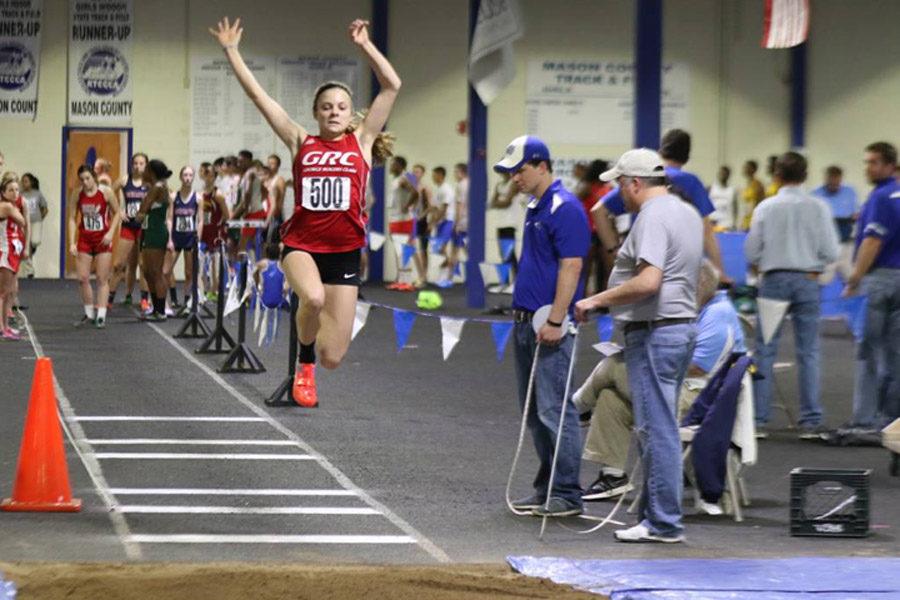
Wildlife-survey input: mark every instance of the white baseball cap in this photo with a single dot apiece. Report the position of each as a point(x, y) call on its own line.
point(640, 162)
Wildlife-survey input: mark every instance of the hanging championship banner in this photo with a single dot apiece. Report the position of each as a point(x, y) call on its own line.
point(20, 51)
point(100, 77)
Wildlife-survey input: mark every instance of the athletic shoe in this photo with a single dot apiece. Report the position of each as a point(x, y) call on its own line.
point(444, 284)
point(169, 311)
point(85, 320)
point(529, 503)
point(145, 305)
point(153, 317)
point(212, 296)
point(556, 508)
point(708, 508)
point(814, 432)
point(304, 390)
point(639, 533)
point(10, 335)
point(127, 300)
point(762, 432)
point(100, 323)
point(607, 486)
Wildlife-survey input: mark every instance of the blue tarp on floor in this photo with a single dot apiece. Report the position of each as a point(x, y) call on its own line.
point(722, 579)
point(7, 589)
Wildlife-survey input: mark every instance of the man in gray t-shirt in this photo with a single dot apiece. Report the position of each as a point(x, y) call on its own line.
point(652, 294)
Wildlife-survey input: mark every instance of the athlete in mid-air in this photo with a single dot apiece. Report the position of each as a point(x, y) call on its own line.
point(323, 238)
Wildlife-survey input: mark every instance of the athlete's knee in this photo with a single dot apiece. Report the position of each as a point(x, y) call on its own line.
point(84, 279)
point(330, 359)
point(313, 303)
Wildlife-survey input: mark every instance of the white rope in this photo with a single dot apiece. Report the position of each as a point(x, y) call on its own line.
point(515, 462)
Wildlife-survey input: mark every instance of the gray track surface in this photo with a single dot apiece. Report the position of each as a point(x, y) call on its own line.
point(431, 441)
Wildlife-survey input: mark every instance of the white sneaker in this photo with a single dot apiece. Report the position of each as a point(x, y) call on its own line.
point(639, 533)
point(709, 508)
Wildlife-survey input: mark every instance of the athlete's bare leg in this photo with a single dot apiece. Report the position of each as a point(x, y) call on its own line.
point(336, 324)
point(152, 260)
point(121, 262)
point(102, 267)
point(188, 272)
point(83, 268)
point(303, 276)
point(134, 261)
point(7, 278)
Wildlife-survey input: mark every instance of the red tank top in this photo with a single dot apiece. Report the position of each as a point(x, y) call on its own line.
point(12, 236)
point(213, 220)
point(329, 196)
point(94, 216)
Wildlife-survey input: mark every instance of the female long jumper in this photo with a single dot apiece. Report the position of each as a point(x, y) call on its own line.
point(322, 240)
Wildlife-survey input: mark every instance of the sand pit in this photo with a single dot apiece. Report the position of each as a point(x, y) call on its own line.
point(234, 581)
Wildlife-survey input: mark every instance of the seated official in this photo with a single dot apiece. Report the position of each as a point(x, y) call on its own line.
point(606, 398)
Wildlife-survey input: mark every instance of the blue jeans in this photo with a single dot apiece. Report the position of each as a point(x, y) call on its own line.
point(657, 361)
point(543, 417)
point(803, 294)
point(876, 393)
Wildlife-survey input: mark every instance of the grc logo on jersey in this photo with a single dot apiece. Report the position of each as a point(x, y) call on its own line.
point(331, 158)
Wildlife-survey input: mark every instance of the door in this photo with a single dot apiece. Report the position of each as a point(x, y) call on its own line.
point(85, 146)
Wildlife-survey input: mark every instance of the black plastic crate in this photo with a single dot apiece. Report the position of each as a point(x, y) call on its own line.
point(830, 502)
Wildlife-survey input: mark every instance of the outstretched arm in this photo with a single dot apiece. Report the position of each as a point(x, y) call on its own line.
point(388, 79)
point(229, 36)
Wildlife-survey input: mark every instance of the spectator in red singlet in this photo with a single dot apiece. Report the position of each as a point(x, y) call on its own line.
point(324, 236)
point(92, 223)
point(12, 247)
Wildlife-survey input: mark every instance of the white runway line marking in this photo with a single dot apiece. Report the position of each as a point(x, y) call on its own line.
point(187, 442)
point(76, 437)
point(173, 419)
point(247, 510)
point(414, 535)
point(272, 539)
point(225, 492)
point(196, 456)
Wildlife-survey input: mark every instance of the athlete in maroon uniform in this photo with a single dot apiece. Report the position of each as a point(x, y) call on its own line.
point(93, 221)
point(12, 247)
point(212, 216)
point(322, 240)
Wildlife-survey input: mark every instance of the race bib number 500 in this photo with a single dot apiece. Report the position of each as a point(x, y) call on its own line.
point(326, 193)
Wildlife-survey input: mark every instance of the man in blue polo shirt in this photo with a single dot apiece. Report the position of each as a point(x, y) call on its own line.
point(876, 394)
point(675, 150)
point(842, 200)
point(555, 242)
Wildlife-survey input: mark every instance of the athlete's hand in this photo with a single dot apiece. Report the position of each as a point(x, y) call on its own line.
point(228, 35)
point(107, 240)
point(359, 34)
point(73, 250)
point(170, 246)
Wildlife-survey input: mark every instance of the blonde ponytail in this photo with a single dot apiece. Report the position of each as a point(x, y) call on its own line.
point(383, 147)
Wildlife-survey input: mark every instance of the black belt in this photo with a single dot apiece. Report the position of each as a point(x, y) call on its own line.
point(641, 325)
point(522, 316)
point(808, 274)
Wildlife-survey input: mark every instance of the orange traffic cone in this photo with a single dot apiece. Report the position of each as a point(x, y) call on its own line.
point(42, 478)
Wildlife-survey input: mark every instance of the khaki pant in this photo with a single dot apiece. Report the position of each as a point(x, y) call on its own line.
point(605, 392)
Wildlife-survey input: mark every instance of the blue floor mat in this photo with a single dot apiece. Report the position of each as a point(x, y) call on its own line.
point(722, 579)
point(7, 589)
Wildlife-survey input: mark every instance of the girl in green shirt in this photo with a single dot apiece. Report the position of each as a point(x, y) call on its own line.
point(155, 236)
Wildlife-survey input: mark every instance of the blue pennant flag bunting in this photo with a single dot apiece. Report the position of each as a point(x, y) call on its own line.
point(503, 273)
point(408, 253)
point(403, 324)
point(605, 328)
point(501, 331)
point(457, 270)
point(507, 246)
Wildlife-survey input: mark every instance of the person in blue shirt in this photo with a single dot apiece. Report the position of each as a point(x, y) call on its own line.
point(675, 150)
point(555, 242)
point(842, 200)
point(876, 393)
